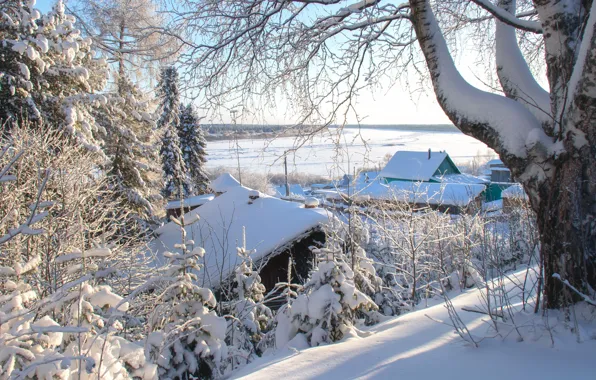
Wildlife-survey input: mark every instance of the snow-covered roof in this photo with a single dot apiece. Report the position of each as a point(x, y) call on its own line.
point(461, 178)
point(413, 166)
point(295, 190)
point(270, 224)
point(515, 191)
point(223, 183)
point(197, 200)
point(495, 162)
point(448, 194)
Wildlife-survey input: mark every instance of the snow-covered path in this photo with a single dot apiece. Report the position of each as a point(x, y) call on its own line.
point(414, 346)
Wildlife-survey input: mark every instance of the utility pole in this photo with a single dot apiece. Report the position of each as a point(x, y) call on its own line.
point(233, 113)
point(352, 245)
point(286, 172)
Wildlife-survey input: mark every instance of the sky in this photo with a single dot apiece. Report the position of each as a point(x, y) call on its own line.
point(395, 105)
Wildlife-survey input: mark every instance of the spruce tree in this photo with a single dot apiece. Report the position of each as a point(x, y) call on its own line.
point(193, 147)
point(176, 181)
point(48, 73)
point(252, 318)
point(128, 145)
point(188, 337)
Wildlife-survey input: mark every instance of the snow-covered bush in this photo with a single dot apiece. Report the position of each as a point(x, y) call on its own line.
point(327, 306)
point(187, 338)
point(354, 237)
point(57, 320)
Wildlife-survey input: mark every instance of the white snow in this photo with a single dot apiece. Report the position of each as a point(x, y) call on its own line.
point(295, 190)
point(416, 192)
point(413, 166)
point(515, 191)
point(415, 346)
point(197, 200)
point(224, 183)
point(462, 178)
point(452, 194)
point(513, 67)
point(270, 224)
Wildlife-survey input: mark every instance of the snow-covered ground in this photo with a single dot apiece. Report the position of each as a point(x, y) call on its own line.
point(415, 346)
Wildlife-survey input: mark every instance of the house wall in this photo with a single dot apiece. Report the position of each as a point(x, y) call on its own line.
point(494, 190)
point(500, 176)
point(176, 211)
point(446, 167)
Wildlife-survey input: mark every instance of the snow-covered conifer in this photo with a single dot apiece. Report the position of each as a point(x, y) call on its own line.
point(188, 338)
point(169, 98)
point(128, 144)
point(176, 180)
point(252, 319)
point(193, 147)
point(48, 72)
point(327, 308)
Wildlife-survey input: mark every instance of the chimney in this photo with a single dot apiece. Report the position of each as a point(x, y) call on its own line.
point(429, 153)
point(252, 196)
point(311, 203)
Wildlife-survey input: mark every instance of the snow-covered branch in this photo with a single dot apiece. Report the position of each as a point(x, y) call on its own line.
point(514, 74)
point(509, 18)
point(575, 290)
point(502, 123)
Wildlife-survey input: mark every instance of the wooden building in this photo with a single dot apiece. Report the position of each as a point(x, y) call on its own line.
point(275, 230)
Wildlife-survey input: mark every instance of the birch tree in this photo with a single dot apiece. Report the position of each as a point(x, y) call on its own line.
point(322, 52)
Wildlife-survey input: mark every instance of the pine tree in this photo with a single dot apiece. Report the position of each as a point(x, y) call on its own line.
point(169, 98)
point(176, 181)
point(193, 147)
point(48, 73)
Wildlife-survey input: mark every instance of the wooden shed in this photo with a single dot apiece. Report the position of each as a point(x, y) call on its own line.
point(276, 230)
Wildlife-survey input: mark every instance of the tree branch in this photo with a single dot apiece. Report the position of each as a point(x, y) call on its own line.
point(516, 79)
point(502, 123)
point(508, 18)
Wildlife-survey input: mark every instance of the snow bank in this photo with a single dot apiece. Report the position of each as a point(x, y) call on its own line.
point(197, 200)
point(414, 346)
point(295, 190)
point(450, 194)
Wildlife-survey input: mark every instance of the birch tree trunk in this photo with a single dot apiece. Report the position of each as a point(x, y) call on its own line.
point(557, 163)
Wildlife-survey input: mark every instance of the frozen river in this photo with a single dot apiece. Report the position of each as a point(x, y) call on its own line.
point(332, 153)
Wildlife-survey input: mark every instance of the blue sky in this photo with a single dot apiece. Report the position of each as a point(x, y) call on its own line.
point(394, 105)
point(44, 5)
